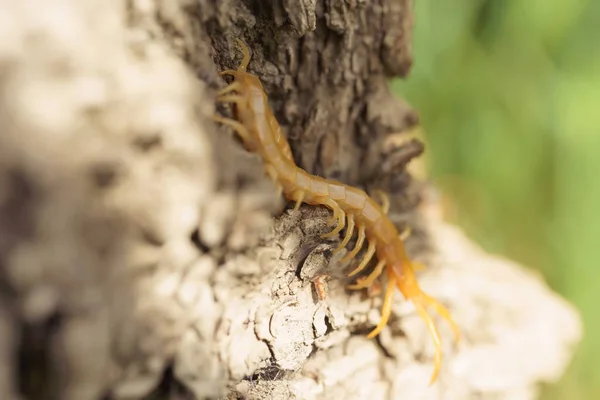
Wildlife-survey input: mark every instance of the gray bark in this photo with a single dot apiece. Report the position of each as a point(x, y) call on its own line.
point(144, 254)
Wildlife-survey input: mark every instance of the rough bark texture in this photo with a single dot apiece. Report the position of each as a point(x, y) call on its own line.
point(143, 253)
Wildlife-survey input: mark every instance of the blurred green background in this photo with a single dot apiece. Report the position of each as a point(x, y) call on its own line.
point(508, 92)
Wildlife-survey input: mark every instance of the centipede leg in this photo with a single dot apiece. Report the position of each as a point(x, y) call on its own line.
point(231, 98)
point(406, 233)
point(417, 266)
point(229, 88)
point(338, 214)
point(359, 243)
point(233, 124)
point(349, 232)
point(228, 72)
point(298, 197)
point(385, 201)
point(368, 281)
point(365, 260)
point(374, 290)
point(386, 309)
point(341, 218)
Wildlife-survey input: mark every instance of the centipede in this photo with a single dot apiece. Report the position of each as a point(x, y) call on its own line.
point(352, 208)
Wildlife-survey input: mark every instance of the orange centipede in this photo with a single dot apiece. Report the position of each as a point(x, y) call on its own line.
point(352, 208)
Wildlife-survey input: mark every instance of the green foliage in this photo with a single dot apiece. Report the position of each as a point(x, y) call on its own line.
point(507, 91)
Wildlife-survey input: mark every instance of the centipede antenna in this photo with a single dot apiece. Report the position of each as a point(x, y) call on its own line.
point(245, 55)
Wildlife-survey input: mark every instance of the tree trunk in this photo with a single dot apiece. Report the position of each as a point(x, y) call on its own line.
point(145, 254)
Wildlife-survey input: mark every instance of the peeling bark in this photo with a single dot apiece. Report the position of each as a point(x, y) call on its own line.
point(144, 254)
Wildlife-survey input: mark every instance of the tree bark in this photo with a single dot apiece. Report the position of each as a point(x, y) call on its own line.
point(144, 254)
